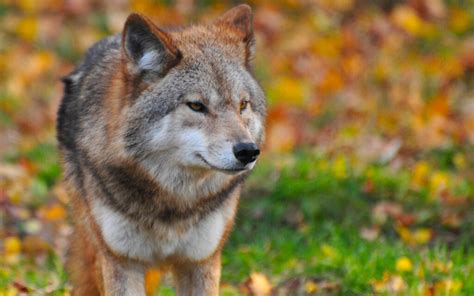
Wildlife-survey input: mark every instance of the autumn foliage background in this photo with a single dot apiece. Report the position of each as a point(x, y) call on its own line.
point(368, 164)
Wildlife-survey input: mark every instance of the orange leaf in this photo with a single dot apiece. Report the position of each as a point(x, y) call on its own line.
point(438, 106)
point(53, 213)
point(152, 281)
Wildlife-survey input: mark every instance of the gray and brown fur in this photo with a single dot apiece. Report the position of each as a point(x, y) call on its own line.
point(154, 183)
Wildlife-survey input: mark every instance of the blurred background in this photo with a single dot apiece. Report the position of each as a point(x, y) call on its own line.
point(366, 181)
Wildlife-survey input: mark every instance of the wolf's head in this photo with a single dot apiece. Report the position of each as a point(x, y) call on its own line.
point(199, 111)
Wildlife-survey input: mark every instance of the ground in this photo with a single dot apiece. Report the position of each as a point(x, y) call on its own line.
point(365, 184)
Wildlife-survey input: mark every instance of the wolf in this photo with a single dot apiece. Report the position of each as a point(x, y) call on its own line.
point(157, 130)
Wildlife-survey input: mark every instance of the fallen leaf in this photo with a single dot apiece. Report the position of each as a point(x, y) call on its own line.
point(152, 281)
point(438, 183)
point(34, 245)
point(12, 245)
point(27, 28)
point(448, 287)
point(384, 210)
point(420, 173)
point(404, 264)
point(54, 212)
point(20, 287)
point(258, 284)
point(459, 20)
point(310, 287)
point(407, 18)
point(391, 284)
point(369, 234)
point(415, 237)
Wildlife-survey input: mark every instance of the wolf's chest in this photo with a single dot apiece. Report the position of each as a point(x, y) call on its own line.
point(195, 242)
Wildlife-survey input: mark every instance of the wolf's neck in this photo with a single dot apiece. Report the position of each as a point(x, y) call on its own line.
point(189, 187)
point(131, 191)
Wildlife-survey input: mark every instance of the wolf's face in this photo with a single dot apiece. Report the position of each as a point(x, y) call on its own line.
point(214, 121)
point(201, 111)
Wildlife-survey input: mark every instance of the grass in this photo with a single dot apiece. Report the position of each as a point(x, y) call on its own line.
point(307, 226)
point(343, 74)
point(300, 221)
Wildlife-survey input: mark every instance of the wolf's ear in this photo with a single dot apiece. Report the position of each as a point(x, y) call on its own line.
point(241, 18)
point(147, 47)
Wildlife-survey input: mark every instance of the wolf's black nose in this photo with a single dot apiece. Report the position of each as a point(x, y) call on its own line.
point(246, 152)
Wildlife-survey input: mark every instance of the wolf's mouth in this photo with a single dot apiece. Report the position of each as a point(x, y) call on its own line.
point(224, 170)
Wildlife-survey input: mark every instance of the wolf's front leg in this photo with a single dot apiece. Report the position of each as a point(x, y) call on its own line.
point(198, 278)
point(122, 277)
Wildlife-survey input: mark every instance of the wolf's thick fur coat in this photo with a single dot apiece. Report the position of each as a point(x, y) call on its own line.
point(153, 178)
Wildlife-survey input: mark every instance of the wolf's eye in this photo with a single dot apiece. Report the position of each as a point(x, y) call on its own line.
point(243, 105)
point(197, 106)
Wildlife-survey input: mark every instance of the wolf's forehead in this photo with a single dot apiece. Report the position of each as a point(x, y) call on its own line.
point(215, 75)
point(195, 39)
point(214, 63)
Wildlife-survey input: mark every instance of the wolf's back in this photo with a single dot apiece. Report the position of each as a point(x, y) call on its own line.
point(81, 102)
point(83, 90)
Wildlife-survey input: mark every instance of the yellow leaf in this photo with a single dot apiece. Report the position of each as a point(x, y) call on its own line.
point(459, 20)
point(420, 174)
point(422, 236)
point(452, 67)
point(438, 183)
point(10, 291)
point(152, 281)
point(448, 287)
point(417, 237)
point(329, 46)
point(311, 287)
point(407, 18)
point(259, 284)
point(460, 161)
point(420, 272)
point(29, 6)
point(339, 167)
point(147, 6)
point(404, 264)
point(329, 251)
point(404, 234)
point(12, 245)
point(15, 195)
point(440, 266)
point(27, 28)
point(287, 90)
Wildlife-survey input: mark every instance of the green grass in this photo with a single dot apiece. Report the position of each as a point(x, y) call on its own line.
point(300, 220)
point(307, 225)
